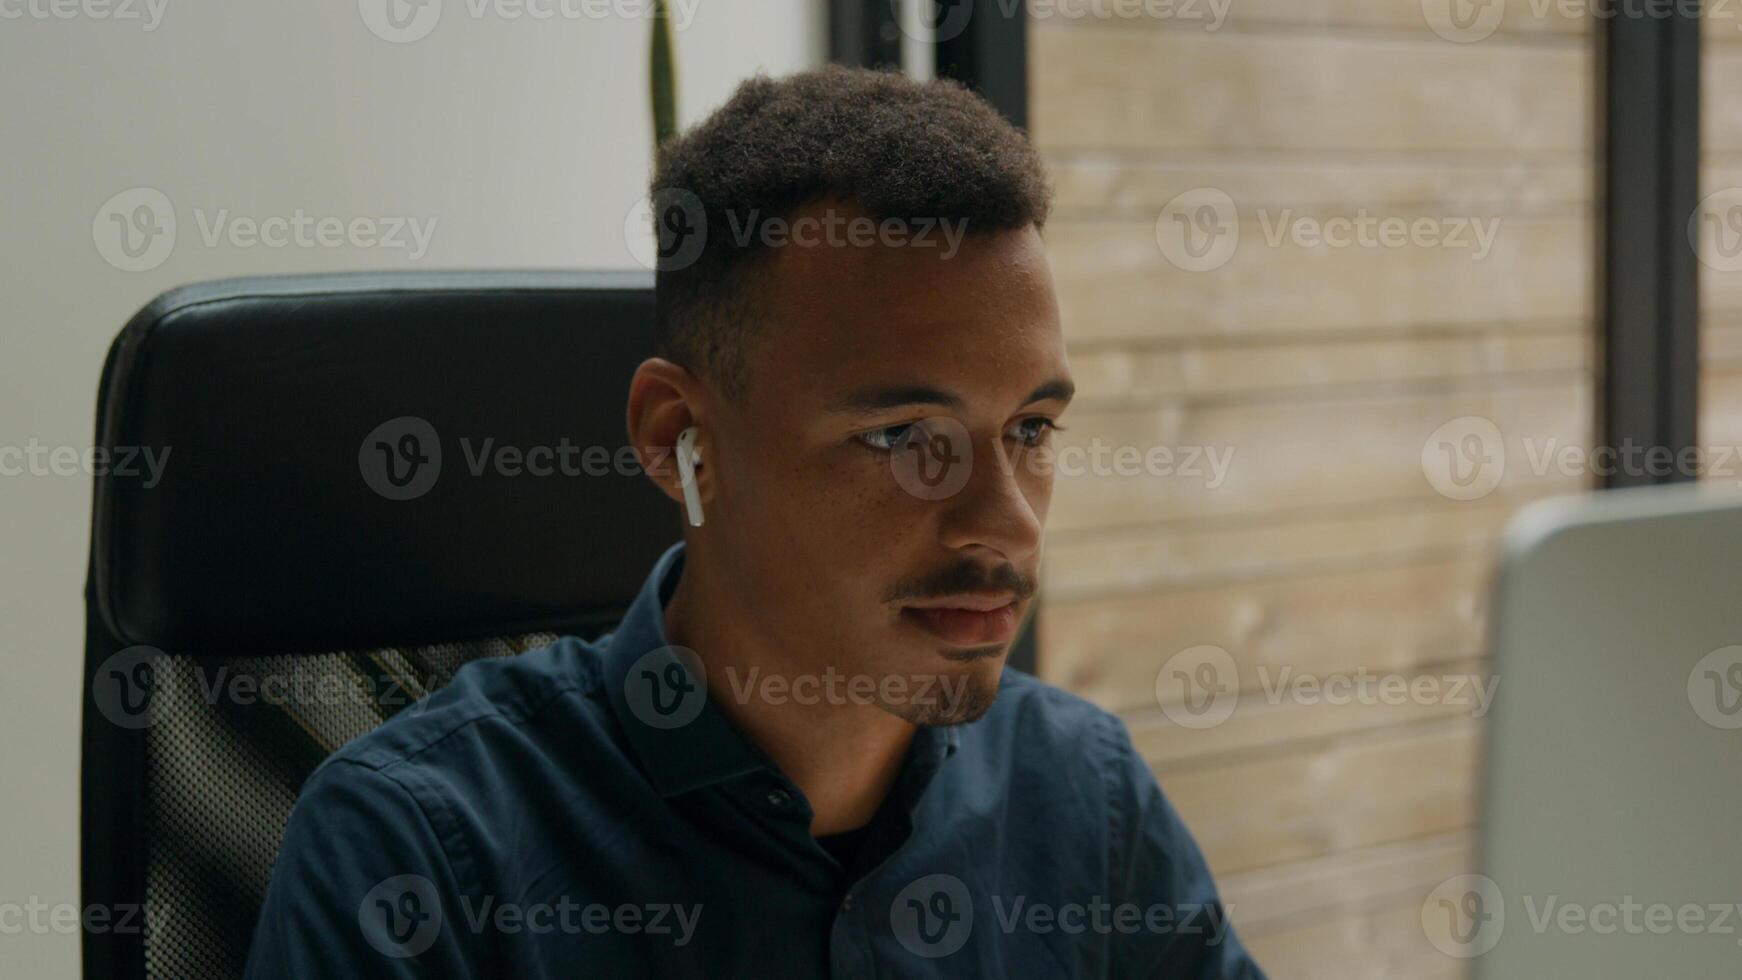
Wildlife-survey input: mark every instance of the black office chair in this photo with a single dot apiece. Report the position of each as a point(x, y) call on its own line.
point(335, 531)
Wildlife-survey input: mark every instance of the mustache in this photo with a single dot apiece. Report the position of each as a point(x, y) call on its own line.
point(966, 576)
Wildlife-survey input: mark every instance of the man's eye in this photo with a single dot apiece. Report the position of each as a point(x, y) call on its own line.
point(886, 438)
point(1033, 431)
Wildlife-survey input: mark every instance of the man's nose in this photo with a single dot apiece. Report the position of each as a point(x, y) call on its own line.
point(993, 509)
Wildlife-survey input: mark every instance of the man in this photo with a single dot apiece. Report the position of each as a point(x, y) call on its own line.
point(799, 754)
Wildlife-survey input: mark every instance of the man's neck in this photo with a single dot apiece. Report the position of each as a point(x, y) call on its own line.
point(844, 757)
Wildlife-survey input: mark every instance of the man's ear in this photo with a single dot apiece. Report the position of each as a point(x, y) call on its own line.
point(664, 400)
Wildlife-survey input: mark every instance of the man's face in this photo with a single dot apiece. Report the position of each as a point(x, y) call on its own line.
point(881, 489)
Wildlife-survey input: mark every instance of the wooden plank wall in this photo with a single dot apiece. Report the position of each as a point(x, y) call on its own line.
point(1721, 278)
point(1324, 371)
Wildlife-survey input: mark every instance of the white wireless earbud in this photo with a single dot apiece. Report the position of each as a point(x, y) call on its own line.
point(688, 458)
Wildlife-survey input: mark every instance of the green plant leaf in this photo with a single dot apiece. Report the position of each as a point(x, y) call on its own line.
point(662, 74)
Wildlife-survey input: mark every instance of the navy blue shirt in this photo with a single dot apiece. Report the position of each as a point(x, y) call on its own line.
point(559, 814)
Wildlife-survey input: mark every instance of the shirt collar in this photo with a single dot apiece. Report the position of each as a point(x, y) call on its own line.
point(659, 693)
point(684, 741)
point(932, 744)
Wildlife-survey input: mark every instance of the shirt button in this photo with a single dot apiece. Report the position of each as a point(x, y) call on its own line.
point(847, 903)
point(778, 797)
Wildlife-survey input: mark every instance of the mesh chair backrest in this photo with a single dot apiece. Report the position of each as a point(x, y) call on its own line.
point(228, 745)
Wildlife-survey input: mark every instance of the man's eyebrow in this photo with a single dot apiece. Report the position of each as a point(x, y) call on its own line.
point(1059, 388)
point(896, 396)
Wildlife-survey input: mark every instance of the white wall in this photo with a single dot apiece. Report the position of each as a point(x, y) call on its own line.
point(525, 141)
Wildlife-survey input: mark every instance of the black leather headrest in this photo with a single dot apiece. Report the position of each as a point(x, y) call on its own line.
point(261, 496)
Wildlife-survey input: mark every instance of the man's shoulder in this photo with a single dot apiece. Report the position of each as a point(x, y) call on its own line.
point(498, 701)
